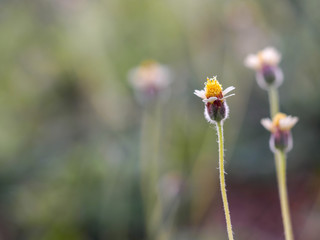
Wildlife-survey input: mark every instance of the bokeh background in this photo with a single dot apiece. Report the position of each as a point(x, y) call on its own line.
point(72, 132)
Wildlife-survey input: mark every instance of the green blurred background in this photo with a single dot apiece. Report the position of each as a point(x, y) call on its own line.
point(70, 127)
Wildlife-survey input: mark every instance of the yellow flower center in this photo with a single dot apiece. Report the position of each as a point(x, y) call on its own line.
point(213, 88)
point(148, 63)
point(277, 118)
point(260, 57)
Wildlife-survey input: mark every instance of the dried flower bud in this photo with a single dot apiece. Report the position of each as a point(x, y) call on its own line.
point(280, 127)
point(216, 108)
point(265, 63)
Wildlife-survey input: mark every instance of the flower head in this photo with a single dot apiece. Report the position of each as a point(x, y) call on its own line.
point(214, 97)
point(266, 57)
point(213, 91)
point(265, 63)
point(149, 79)
point(280, 128)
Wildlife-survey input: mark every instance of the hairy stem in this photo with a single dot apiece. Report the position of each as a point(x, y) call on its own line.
point(222, 180)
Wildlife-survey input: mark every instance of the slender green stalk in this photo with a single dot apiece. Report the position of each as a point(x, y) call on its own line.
point(280, 164)
point(284, 195)
point(222, 180)
point(150, 168)
point(273, 101)
point(274, 109)
point(144, 166)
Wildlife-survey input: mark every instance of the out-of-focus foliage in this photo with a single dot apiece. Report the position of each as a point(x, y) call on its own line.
point(70, 128)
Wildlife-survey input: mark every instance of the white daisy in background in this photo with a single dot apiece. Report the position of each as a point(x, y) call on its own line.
point(216, 108)
point(280, 128)
point(266, 64)
point(149, 79)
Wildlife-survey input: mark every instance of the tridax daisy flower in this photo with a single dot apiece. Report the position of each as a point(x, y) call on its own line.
point(280, 127)
point(149, 79)
point(265, 63)
point(216, 108)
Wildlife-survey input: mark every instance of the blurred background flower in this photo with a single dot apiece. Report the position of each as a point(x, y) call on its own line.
point(265, 63)
point(70, 127)
point(150, 80)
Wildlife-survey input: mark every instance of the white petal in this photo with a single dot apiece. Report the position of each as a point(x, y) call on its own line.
point(228, 89)
point(212, 99)
point(162, 77)
point(288, 122)
point(294, 120)
point(267, 123)
point(271, 56)
point(229, 96)
point(200, 93)
point(252, 61)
